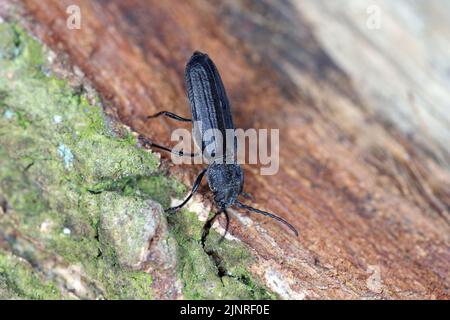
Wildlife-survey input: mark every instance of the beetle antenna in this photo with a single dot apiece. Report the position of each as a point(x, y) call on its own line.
point(271, 215)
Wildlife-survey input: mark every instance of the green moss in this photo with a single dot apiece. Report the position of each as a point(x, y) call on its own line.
point(127, 223)
point(19, 280)
point(68, 178)
point(200, 271)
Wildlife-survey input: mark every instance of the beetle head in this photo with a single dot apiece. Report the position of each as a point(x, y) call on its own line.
point(225, 181)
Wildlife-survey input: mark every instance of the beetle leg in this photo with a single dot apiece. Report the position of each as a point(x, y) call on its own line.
point(149, 144)
point(169, 115)
point(197, 182)
point(208, 225)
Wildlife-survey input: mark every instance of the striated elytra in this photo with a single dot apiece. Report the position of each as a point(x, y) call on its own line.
point(210, 109)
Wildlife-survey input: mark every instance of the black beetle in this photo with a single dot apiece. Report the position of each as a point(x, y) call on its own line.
point(211, 109)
